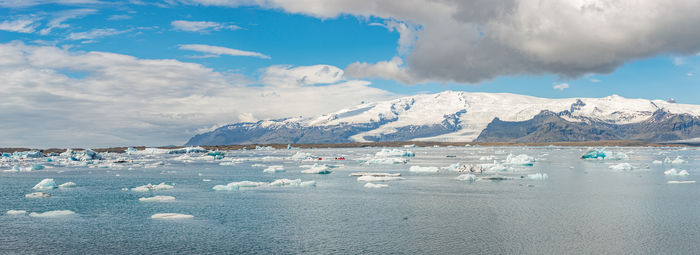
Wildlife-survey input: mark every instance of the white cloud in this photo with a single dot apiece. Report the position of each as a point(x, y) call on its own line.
point(122, 100)
point(392, 69)
point(286, 76)
point(217, 51)
point(95, 33)
point(59, 17)
point(29, 3)
point(201, 26)
point(119, 17)
point(594, 80)
point(561, 86)
point(690, 74)
point(21, 25)
point(473, 41)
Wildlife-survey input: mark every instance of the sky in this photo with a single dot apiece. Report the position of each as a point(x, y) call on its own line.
point(97, 73)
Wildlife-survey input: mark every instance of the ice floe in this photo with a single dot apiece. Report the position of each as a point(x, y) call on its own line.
point(466, 177)
point(383, 161)
point(16, 212)
point(151, 187)
point(295, 183)
point(538, 176)
point(394, 153)
point(302, 156)
point(317, 169)
point(370, 185)
point(374, 174)
point(52, 214)
point(369, 178)
point(274, 169)
point(680, 182)
point(622, 166)
point(67, 185)
point(520, 160)
point(45, 184)
point(157, 199)
point(594, 154)
point(171, 216)
point(674, 172)
point(37, 195)
point(423, 169)
point(657, 162)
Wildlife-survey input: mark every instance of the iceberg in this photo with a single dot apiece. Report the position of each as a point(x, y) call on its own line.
point(374, 174)
point(274, 169)
point(657, 162)
point(674, 172)
point(294, 183)
point(538, 176)
point(67, 185)
point(37, 195)
point(188, 150)
point(420, 169)
point(317, 169)
point(622, 167)
point(385, 161)
point(678, 160)
point(369, 178)
point(302, 155)
point(236, 185)
point(394, 153)
point(16, 212)
point(27, 154)
point(45, 184)
point(521, 160)
point(130, 150)
point(151, 187)
point(52, 214)
point(370, 185)
point(37, 167)
point(594, 154)
point(157, 199)
point(466, 177)
point(171, 216)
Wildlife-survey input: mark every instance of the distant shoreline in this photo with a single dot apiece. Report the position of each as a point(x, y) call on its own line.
point(609, 143)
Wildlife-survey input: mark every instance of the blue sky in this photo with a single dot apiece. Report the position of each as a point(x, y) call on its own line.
point(245, 49)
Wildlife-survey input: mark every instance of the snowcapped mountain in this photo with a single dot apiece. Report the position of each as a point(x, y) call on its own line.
point(463, 117)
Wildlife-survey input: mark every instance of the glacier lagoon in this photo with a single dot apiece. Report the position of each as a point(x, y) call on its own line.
point(569, 205)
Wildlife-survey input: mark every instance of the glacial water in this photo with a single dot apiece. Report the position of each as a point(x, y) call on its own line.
point(582, 207)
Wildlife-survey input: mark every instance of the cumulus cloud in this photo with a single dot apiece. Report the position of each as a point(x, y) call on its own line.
point(20, 25)
point(472, 41)
point(561, 86)
point(201, 26)
point(57, 97)
point(287, 76)
point(215, 51)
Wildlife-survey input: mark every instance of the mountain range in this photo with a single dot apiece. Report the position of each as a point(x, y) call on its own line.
point(452, 116)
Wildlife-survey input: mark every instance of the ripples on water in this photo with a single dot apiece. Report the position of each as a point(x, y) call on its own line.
point(583, 207)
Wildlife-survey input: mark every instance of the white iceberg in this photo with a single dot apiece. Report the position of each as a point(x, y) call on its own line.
point(151, 187)
point(16, 212)
point(538, 176)
point(302, 155)
point(67, 185)
point(466, 177)
point(674, 172)
point(374, 174)
point(369, 178)
point(317, 169)
point(370, 185)
point(294, 183)
point(678, 160)
point(236, 185)
point(622, 167)
point(385, 161)
point(657, 162)
point(171, 216)
point(618, 156)
point(522, 160)
point(52, 214)
point(188, 150)
point(394, 153)
point(37, 195)
point(274, 169)
point(45, 184)
point(421, 169)
point(157, 199)
point(680, 182)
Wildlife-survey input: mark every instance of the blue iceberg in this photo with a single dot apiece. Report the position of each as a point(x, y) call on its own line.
point(594, 154)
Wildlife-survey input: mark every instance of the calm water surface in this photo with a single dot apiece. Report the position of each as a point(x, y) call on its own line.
point(584, 207)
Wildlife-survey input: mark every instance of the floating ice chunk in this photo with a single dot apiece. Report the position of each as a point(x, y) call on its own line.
point(302, 155)
point(45, 184)
point(495, 167)
point(657, 162)
point(618, 156)
point(151, 187)
point(188, 150)
point(37, 167)
point(370, 185)
point(27, 154)
point(674, 172)
point(52, 214)
point(680, 182)
point(594, 154)
point(308, 184)
point(369, 178)
point(317, 169)
point(487, 158)
point(386, 161)
point(678, 160)
point(171, 216)
point(394, 153)
point(622, 167)
point(37, 195)
point(236, 185)
point(409, 146)
point(466, 177)
point(157, 199)
point(293, 183)
point(206, 180)
point(421, 169)
point(521, 160)
point(16, 212)
point(258, 165)
point(216, 154)
point(67, 185)
point(538, 176)
point(374, 174)
point(454, 167)
point(274, 169)
point(130, 150)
